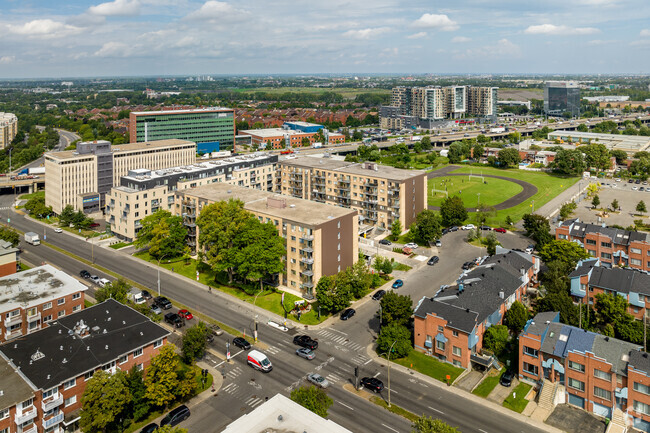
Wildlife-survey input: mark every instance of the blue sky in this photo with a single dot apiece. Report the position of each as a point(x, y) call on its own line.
point(169, 37)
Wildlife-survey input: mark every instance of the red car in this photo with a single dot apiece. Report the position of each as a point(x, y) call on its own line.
point(500, 230)
point(185, 314)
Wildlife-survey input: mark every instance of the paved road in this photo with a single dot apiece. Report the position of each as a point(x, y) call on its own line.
point(65, 138)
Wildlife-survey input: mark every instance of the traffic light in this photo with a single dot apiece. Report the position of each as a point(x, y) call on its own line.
point(356, 371)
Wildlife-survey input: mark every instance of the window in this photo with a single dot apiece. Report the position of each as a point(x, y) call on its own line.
point(643, 389)
point(47, 305)
point(457, 363)
point(76, 308)
point(440, 328)
point(454, 333)
point(590, 241)
point(531, 368)
point(76, 296)
point(47, 318)
point(600, 374)
point(635, 251)
point(88, 375)
point(4, 413)
point(60, 313)
point(576, 384)
point(27, 403)
point(440, 345)
point(140, 367)
point(530, 351)
point(49, 393)
point(592, 253)
point(602, 393)
point(70, 401)
point(137, 352)
point(641, 407)
point(60, 301)
point(157, 344)
point(635, 262)
point(606, 256)
point(562, 236)
point(457, 351)
point(576, 366)
point(606, 244)
point(69, 384)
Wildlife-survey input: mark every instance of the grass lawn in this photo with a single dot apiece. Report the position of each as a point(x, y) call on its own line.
point(492, 193)
point(519, 403)
point(347, 93)
point(488, 384)
point(119, 245)
point(32, 195)
point(430, 366)
point(401, 267)
point(394, 408)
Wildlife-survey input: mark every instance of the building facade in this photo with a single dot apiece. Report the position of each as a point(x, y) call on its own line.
point(8, 129)
point(8, 258)
point(15, 391)
point(320, 239)
point(381, 194)
point(562, 97)
point(83, 177)
point(212, 129)
point(285, 138)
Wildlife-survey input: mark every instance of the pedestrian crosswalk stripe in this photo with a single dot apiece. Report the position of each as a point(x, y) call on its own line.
point(255, 402)
point(273, 350)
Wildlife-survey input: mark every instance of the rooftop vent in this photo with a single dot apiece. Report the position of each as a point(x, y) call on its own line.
point(37, 355)
point(501, 294)
point(606, 338)
point(81, 329)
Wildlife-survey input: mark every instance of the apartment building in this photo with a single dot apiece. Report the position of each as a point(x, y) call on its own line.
point(15, 390)
point(212, 129)
point(8, 129)
point(450, 325)
point(143, 192)
point(284, 138)
point(33, 299)
point(8, 258)
point(82, 178)
point(321, 239)
point(57, 361)
point(612, 246)
point(482, 101)
point(381, 194)
point(594, 372)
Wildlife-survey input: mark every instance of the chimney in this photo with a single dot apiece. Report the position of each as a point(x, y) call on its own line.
point(501, 294)
point(523, 271)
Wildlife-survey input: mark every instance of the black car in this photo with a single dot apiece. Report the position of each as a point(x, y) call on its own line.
point(174, 417)
point(468, 265)
point(385, 242)
point(378, 295)
point(433, 260)
point(630, 181)
point(445, 231)
point(163, 302)
point(149, 428)
point(485, 228)
point(637, 181)
point(347, 314)
point(453, 229)
point(241, 343)
point(174, 319)
point(305, 341)
point(145, 294)
point(506, 378)
point(372, 383)
point(84, 274)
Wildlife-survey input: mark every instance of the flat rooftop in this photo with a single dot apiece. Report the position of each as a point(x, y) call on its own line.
point(36, 286)
point(185, 111)
point(301, 123)
point(271, 204)
point(383, 171)
point(122, 148)
point(272, 132)
point(14, 388)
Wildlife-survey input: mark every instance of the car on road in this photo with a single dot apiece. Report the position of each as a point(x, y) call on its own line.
point(397, 284)
point(163, 302)
point(84, 274)
point(372, 383)
point(216, 330)
point(174, 320)
point(181, 413)
point(185, 314)
point(94, 279)
point(318, 380)
point(305, 352)
point(529, 249)
point(638, 181)
point(506, 378)
point(500, 230)
point(485, 228)
point(145, 294)
point(385, 242)
point(241, 343)
point(378, 295)
point(347, 314)
point(58, 230)
point(445, 231)
point(103, 282)
point(411, 245)
point(468, 227)
point(149, 428)
point(156, 309)
point(305, 341)
point(433, 260)
point(438, 243)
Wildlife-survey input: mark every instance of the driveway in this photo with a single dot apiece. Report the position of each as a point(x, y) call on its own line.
point(469, 380)
point(574, 420)
point(500, 392)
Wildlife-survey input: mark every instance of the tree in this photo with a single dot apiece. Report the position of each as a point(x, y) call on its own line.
point(426, 143)
point(620, 155)
point(163, 233)
point(569, 161)
point(478, 150)
point(516, 317)
point(426, 424)
point(396, 229)
point(509, 221)
point(396, 309)
point(596, 156)
point(640, 207)
point(162, 381)
point(313, 398)
point(194, 341)
point(611, 309)
point(457, 152)
point(567, 209)
point(615, 204)
point(139, 406)
point(428, 226)
point(354, 279)
point(117, 289)
point(496, 338)
point(452, 211)
point(509, 157)
point(262, 252)
point(537, 228)
point(595, 202)
point(36, 207)
point(397, 334)
point(382, 265)
point(10, 235)
point(66, 216)
point(80, 220)
point(104, 399)
point(491, 243)
point(562, 302)
point(566, 252)
point(330, 296)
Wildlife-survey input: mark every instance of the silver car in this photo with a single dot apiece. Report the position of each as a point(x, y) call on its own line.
point(306, 353)
point(318, 380)
point(156, 309)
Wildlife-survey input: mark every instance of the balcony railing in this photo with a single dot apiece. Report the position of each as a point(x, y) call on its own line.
point(189, 204)
point(306, 249)
point(13, 320)
point(307, 260)
point(53, 421)
point(52, 402)
point(307, 273)
point(26, 416)
point(32, 429)
point(307, 285)
point(34, 317)
point(13, 334)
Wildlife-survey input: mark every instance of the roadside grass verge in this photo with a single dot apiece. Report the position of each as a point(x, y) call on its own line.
point(430, 366)
point(119, 245)
point(32, 195)
point(394, 408)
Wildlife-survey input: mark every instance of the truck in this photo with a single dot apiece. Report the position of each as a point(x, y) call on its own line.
point(498, 130)
point(32, 238)
point(33, 170)
point(317, 145)
point(259, 361)
point(416, 138)
point(135, 296)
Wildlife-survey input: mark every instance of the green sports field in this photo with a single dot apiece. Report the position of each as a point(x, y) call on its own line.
point(493, 192)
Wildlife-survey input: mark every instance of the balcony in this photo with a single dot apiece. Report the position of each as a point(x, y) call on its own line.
point(189, 224)
point(189, 204)
point(53, 421)
point(307, 237)
point(52, 402)
point(13, 334)
point(33, 429)
point(34, 317)
point(13, 320)
point(395, 205)
point(307, 273)
point(26, 416)
point(307, 285)
point(307, 260)
point(306, 249)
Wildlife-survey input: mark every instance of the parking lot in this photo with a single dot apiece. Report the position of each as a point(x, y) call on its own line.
point(628, 196)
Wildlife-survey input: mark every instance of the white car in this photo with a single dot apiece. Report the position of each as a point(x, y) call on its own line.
point(94, 279)
point(103, 282)
point(318, 380)
point(58, 230)
point(411, 245)
point(468, 227)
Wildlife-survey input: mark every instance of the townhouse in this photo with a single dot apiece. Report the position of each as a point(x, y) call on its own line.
point(57, 361)
point(451, 324)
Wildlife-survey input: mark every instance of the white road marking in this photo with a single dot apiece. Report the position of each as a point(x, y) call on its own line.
point(393, 391)
point(343, 404)
point(367, 362)
point(390, 428)
point(378, 373)
point(483, 431)
point(336, 330)
point(439, 411)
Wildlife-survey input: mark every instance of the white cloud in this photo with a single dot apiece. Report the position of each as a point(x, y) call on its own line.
point(502, 49)
point(45, 28)
point(215, 10)
point(460, 39)
point(417, 35)
point(365, 33)
point(598, 42)
point(114, 49)
point(435, 21)
point(645, 33)
point(7, 59)
point(116, 8)
point(552, 29)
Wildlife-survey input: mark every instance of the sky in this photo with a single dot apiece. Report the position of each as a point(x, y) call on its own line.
point(74, 38)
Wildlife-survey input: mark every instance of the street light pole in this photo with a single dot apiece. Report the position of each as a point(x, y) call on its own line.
point(255, 331)
point(159, 272)
point(389, 351)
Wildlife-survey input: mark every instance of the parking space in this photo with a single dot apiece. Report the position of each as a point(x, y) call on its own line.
point(500, 392)
point(627, 198)
point(574, 420)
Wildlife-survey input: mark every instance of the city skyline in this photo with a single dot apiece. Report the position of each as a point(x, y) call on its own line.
point(167, 37)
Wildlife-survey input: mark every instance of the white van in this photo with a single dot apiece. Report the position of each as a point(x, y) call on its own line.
point(259, 361)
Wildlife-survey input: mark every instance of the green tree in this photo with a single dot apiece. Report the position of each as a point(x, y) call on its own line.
point(516, 317)
point(496, 339)
point(9, 234)
point(615, 204)
point(452, 211)
point(169, 429)
point(104, 399)
point(428, 226)
point(396, 229)
point(596, 156)
point(537, 228)
point(139, 405)
point(457, 152)
point(397, 334)
point(330, 296)
point(509, 221)
point(396, 309)
point(382, 265)
point(611, 309)
point(36, 207)
point(640, 207)
point(162, 381)
point(478, 150)
point(509, 157)
point(194, 341)
point(620, 155)
point(426, 424)
point(426, 143)
point(491, 243)
point(81, 221)
point(567, 252)
point(569, 161)
point(66, 216)
point(595, 202)
point(567, 209)
point(312, 398)
point(262, 251)
point(562, 302)
point(117, 289)
point(163, 233)
point(355, 280)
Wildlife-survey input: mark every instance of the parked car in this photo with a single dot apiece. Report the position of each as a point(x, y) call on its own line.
point(174, 320)
point(486, 228)
point(305, 352)
point(149, 428)
point(163, 302)
point(181, 413)
point(103, 282)
point(433, 260)
point(94, 279)
point(241, 343)
point(145, 294)
point(185, 314)
point(500, 230)
point(506, 378)
point(469, 265)
point(378, 295)
point(468, 227)
point(530, 249)
point(372, 383)
point(438, 243)
point(318, 380)
point(385, 242)
point(305, 341)
point(445, 231)
point(84, 274)
point(58, 230)
point(347, 314)
point(453, 228)
point(397, 284)
point(411, 245)
point(94, 225)
point(216, 330)
point(156, 309)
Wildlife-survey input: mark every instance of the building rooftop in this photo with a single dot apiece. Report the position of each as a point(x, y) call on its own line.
point(7, 248)
point(271, 132)
point(281, 206)
point(185, 111)
point(458, 318)
point(36, 286)
point(282, 415)
point(620, 280)
point(13, 388)
point(627, 143)
point(352, 168)
point(122, 148)
point(540, 322)
point(640, 361)
point(81, 342)
point(301, 123)
point(618, 236)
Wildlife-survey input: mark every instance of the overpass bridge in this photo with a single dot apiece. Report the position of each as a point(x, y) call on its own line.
point(21, 186)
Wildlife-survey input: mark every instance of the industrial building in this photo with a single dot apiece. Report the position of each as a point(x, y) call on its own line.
point(8, 129)
point(286, 138)
point(562, 97)
point(630, 144)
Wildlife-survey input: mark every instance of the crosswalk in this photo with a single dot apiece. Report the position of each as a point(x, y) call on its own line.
point(242, 394)
point(234, 373)
point(273, 350)
point(5, 208)
point(333, 378)
point(338, 341)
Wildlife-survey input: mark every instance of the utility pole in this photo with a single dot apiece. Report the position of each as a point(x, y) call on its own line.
point(644, 330)
point(580, 318)
point(389, 351)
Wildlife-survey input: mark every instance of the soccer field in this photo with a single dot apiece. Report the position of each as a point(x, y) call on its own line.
point(492, 191)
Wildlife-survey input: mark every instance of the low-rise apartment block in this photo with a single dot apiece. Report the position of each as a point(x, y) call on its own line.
point(84, 176)
point(8, 129)
point(32, 299)
point(612, 246)
point(57, 361)
point(15, 391)
point(143, 192)
point(8, 258)
point(381, 194)
point(451, 324)
point(321, 239)
point(294, 134)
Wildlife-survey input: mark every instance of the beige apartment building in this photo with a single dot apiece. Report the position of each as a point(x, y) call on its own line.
point(143, 192)
point(83, 177)
point(8, 128)
point(381, 194)
point(482, 101)
point(321, 239)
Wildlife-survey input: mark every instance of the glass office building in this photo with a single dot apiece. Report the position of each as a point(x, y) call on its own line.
point(562, 97)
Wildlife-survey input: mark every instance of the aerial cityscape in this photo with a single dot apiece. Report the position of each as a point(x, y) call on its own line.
point(329, 217)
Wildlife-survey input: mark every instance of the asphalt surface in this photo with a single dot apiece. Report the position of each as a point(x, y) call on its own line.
point(65, 138)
